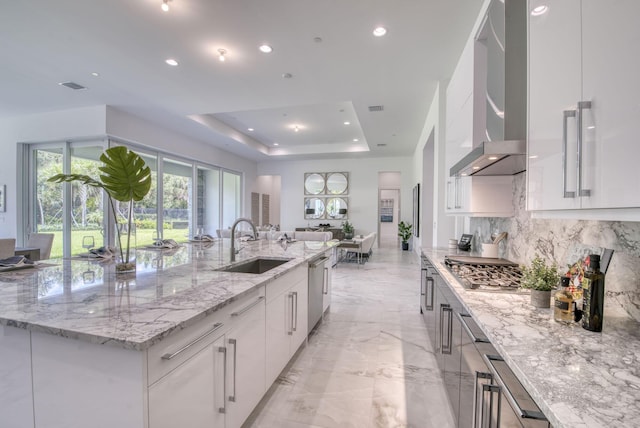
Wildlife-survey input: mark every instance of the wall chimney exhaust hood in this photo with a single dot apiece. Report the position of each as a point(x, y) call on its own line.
point(500, 86)
point(493, 158)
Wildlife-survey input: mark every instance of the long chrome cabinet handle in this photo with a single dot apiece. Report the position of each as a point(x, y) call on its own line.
point(429, 305)
point(443, 306)
point(447, 349)
point(449, 194)
point(168, 356)
point(290, 332)
point(582, 105)
point(246, 308)
point(491, 389)
point(463, 320)
point(325, 283)
point(295, 326)
point(477, 421)
point(566, 115)
point(234, 342)
point(223, 409)
point(488, 359)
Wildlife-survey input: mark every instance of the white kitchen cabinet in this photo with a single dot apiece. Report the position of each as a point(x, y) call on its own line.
point(583, 106)
point(245, 361)
point(192, 394)
point(286, 319)
point(15, 372)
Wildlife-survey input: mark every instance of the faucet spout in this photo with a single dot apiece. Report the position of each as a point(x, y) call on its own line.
point(233, 235)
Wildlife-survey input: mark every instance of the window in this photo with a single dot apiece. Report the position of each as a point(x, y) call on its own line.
point(74, 212)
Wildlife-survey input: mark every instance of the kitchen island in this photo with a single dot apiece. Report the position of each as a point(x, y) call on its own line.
point(83, 347)
point(577, 378)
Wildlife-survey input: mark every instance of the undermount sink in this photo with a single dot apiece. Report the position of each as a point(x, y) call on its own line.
point(255, 266)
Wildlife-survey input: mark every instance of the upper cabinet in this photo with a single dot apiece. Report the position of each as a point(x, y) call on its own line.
point(583, 106)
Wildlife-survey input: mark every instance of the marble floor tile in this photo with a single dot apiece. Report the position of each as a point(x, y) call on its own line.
point(369, 363)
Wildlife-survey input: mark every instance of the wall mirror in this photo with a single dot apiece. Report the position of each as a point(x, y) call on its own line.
point(337, 208)
point(313, 183)
point(337, 183)
point(313, 208)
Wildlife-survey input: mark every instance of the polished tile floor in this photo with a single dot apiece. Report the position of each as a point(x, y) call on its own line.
point(370, 363)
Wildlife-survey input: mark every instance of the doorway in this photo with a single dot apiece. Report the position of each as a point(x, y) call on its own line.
point(389, 213)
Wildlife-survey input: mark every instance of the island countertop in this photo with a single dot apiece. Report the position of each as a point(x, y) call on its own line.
point(172, 289)
point(578, 378)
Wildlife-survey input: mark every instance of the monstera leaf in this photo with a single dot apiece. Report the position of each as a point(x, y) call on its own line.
point(125, 175)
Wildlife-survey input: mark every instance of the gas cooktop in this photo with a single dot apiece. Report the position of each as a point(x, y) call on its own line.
point(485, 274)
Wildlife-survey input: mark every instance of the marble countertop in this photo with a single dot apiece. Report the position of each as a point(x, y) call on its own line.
point(578, 378)
point(171, 289)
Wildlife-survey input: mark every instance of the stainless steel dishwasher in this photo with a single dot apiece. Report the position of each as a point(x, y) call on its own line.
point(317, 272)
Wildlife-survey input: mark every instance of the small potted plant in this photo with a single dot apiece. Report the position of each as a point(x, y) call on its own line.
point(404, 232)
point(541, 279)
point(347, 229)
point(125, 178)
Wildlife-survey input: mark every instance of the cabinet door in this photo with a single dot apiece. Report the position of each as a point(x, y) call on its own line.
point(554, 87)
point(192, 394)
point(16, 396)
point(326, 289)
point(278, 334)
point(610, 39)
point(245, 361)
point(300, 316)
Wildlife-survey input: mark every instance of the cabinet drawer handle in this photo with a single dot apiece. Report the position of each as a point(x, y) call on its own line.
point(246, 308)
point(582, 105)
point(169, 356)
point(447, 349)
point(234, 342)
point(223, 350)
point(477, 408)
point(566, 115)
point(485, 419)
point(472, 336)
point(529, 414)
point(443, 306)
point(430, 293)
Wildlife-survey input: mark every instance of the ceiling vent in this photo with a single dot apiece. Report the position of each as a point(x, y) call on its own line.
point(376, 108)
point(72, 85)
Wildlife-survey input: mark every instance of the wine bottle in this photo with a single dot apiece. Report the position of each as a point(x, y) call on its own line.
point(593, 295)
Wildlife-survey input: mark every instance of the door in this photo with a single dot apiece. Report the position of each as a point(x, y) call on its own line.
point(554, 87)
point(191, 395)
point(245, 361)
point(610, 39)
point(389, 211)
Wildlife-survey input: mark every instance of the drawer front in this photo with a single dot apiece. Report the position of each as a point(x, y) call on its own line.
point(174, 350)
point(285, 282)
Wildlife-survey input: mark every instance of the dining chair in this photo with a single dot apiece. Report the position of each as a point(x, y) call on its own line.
point(7, 247)
point(43, 241)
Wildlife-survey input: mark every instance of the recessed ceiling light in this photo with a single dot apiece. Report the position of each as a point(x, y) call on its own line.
point(265, 48)
point(476, 167)
point(539, 10)
point(463, 174)
point(347, 123)
point(172, 62)
point(222, 53)
point(296, 128)
point(533, 157)
point(165, 5)
point(94, 74)
point(493, 157)
point(355, 140)
point(250, 129)
point(379, 31)
point(275, 144)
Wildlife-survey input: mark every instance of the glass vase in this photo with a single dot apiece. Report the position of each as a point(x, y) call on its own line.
point(125, 248)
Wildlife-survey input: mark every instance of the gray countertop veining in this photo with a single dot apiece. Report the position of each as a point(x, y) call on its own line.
point(578, 378)
point(171, 289)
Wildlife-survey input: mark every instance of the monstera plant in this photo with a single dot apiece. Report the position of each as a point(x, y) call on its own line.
point(125, 178)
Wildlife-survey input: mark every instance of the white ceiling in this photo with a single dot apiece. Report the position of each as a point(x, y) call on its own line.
point(44, 42)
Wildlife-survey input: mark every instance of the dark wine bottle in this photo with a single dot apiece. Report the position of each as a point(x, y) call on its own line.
point(593, 295)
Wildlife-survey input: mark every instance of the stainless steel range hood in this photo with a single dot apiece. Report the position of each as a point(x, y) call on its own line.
point(493, 158)
point(501, 46)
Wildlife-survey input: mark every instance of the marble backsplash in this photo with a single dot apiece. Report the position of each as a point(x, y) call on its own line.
point(553, 239)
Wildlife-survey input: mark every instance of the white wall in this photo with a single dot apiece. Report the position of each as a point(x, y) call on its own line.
point(363, 188)
point(96, 122)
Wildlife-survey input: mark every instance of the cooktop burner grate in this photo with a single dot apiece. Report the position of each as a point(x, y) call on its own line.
point(503, 276)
